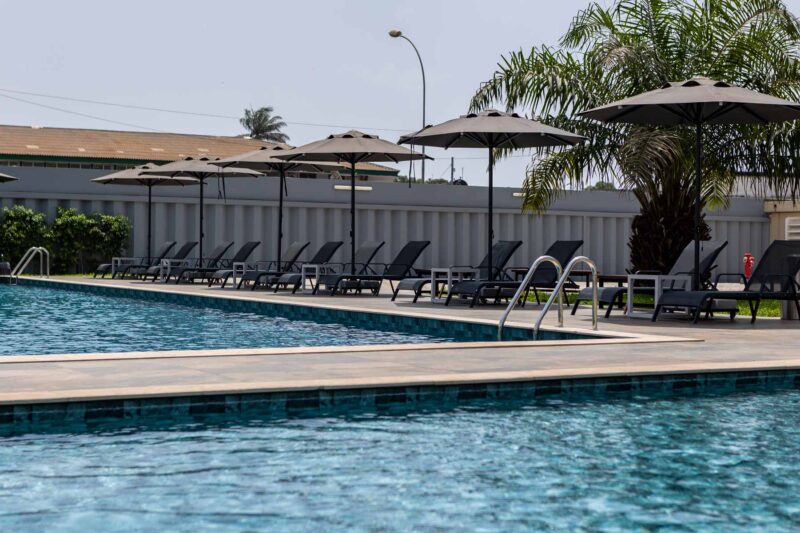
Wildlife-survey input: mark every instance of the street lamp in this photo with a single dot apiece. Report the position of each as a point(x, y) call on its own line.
point(395, 34)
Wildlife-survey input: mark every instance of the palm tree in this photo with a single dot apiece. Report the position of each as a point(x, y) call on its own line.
point(637, 45)
point(262, 124)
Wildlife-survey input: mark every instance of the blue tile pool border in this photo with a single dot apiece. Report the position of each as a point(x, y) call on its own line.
point(459, 330)
point(71, 416)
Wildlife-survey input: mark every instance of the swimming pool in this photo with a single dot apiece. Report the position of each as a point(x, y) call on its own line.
point(713, 463)
point(42, 320)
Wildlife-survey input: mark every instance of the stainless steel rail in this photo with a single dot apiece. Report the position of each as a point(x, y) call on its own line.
point(27, 257)
point(560, 286)
point(523, 286)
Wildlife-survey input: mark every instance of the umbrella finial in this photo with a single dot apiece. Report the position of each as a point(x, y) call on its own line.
point(395, 33)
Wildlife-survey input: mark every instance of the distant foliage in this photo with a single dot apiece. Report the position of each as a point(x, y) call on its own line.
point(601, 186)
point(263, 124)
point(76, 241)
point(20, 228)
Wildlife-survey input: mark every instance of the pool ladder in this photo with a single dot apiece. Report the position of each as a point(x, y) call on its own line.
point(563, 277)
point(27, 257)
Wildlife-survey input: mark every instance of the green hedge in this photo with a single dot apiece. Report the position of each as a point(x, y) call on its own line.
point(76, 241)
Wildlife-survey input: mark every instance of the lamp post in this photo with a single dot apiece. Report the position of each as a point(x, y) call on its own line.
point(395, 34)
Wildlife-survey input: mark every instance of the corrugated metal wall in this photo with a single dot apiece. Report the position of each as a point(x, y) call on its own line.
point(389, 212)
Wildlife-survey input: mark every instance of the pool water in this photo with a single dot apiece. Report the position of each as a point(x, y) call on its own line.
point(38, 320)
point(726, 463)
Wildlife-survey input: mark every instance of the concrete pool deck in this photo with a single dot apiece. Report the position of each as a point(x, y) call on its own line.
point(638, 348)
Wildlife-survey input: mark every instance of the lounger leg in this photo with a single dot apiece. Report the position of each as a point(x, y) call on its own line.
point(797, 306)
point(754, 310)
point(656, 313)
point(575, 307)
point(394, 293)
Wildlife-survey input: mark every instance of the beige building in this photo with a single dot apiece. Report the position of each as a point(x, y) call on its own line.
point(26, 146)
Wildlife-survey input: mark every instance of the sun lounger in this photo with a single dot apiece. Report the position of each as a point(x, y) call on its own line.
point(774, 278)
point(293, 280)
point(242, 254)
point(211, 263)
point(362, 262)
point(265, 269)
point(126, 263)
point(684, 265)
point(178, 257)
point(501, 253)
point(545, 277)
point(401, 268)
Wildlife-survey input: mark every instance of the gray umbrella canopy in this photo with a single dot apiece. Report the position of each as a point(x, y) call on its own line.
point(134, 176)
point(351, 148)
point(200, 168)
point(6, 178)
point(697, 102)
point(491, 129)
point(264, 160)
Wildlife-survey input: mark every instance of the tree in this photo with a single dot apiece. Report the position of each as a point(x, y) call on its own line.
point(609, 53)
point(601, 186)
point(262, 124)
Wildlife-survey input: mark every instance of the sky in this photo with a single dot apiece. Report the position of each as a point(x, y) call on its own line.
point(328, 62)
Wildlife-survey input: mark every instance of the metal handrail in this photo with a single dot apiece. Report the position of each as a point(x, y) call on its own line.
point(27, 257)
point(560, 286)
point(523, 286)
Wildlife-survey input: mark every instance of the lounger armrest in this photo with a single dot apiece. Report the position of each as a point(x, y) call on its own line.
point(652, 272)
point(737, 275)
point(790, 282)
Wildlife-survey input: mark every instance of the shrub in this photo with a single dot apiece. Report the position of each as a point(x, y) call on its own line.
point(114, 234)
point(72, 236)
point(21, 228)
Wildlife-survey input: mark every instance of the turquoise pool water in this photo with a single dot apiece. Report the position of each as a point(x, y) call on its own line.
point(39, 320)
point(726, 463)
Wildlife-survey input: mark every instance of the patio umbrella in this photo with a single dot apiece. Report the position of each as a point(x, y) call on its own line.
point(6, 178)
point(697, 102)
point(263, 160)
point(134, 176)
point(200, 168)
point(491, 129)
point(351, 148)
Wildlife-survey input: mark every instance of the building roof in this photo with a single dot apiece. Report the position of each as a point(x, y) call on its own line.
point(126, 147)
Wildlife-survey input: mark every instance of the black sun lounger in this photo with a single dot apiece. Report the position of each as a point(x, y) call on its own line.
point(222, 275)
point(179, 256)
point(401, 268)
point(293, 280)
point(545, 277)
point(362, 262)
point(501, 253)
point(162, 252)
point(774, 278)
point(241, 255)
point(211, 263)
point(611, 296)
point(274, 268)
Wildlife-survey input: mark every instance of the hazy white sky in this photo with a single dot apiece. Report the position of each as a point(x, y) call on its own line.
point(316, 61)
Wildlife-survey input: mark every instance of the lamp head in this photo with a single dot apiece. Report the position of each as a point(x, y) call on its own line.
point(395, 33)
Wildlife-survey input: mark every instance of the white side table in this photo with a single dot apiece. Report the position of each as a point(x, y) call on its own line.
point(450, 276)
point(681, 282)
point(165, 268)
point(238, 271)
point(308, 272)
point(117, 262)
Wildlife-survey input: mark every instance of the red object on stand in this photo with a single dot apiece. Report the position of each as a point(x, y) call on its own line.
point(749, 261)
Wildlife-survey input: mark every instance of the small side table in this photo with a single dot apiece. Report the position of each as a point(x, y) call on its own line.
point(450, 276)
point(678, 283)
point(238, 271)
point(308, 272)
point(117, 262)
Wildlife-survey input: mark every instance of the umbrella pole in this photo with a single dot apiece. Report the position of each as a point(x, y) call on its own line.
point(202, 184)
point(149, 222)
point(353, 218)
point(698, 161)
point(491, 213)
point(280, 216)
